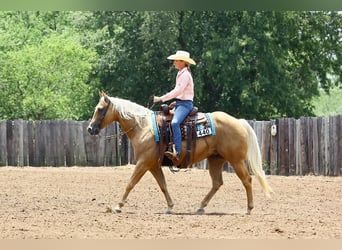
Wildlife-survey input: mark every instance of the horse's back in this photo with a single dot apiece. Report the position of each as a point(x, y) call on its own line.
point(228, 124)
point(231, 136)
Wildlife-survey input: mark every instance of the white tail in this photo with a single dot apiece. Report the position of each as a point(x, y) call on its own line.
point(254, 158)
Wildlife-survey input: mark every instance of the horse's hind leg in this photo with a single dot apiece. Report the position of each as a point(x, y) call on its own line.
point(158, 174)
point(138, 172)
point(215, 171)
point(246, 179)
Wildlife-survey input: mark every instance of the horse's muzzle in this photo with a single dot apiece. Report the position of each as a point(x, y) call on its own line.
point(93, 129)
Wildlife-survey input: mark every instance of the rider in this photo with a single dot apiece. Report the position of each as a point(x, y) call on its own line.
point(183, 93)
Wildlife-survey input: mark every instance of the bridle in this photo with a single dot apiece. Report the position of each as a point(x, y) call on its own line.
point(103, 113)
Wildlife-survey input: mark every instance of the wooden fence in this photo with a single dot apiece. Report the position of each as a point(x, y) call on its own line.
point(309, 145)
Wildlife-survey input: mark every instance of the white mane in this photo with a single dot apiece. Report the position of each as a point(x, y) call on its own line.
point(129, 110)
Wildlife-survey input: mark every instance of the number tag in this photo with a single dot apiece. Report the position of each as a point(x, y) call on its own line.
point(204, 132)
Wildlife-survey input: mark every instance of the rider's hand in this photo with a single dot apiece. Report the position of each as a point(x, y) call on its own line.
point(157, 99)
point(172, 105)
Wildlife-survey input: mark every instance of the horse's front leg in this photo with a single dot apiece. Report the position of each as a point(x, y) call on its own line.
point(158, 174)
point(138, 172)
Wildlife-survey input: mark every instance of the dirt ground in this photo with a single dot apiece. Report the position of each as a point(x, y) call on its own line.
point(64, 203)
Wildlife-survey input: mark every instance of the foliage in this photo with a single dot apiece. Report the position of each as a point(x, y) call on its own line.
point(47, 81)
point(255, 65)
point(328, 104)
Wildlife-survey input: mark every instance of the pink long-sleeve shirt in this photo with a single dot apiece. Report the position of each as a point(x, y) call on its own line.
point(184, 89)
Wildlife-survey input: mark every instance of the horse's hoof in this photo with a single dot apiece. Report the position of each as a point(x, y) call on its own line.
point(168, 211)
point(117, 210)
point(249, 211)
point(200, 211)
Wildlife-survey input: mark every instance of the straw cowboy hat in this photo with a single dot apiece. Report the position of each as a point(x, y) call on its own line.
point(182, 55)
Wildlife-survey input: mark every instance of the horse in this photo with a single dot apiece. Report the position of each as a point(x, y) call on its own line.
point(235, 142)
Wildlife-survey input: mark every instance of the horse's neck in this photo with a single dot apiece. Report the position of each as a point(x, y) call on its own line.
point(130, 127)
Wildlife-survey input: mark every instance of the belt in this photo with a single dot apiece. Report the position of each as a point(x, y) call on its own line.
point(182, 100)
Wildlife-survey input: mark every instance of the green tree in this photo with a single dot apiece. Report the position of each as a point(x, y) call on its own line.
point(256, 65)
point(47, 81)
point(132, 49)
point(261, 65)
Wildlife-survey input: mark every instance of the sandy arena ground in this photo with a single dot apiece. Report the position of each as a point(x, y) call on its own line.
point(64, 203)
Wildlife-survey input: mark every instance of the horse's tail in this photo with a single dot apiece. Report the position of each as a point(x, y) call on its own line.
point(254, 158)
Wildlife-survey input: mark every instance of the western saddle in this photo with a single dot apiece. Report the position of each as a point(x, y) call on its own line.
point(189, 133)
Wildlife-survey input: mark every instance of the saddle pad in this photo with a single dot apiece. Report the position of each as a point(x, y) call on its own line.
point(203, 129)
point(207, 128)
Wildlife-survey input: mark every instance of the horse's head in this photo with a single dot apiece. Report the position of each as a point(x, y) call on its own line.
point(100, 117)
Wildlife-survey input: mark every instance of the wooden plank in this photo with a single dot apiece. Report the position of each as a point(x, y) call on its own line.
point(67, 142)
point(321, 145)
point(310, 145)
point(258, 131)
point(3, 143)
point(335, 144)
point(304, 145)
point(80, 154)
point(64, 142)
point(91, 145)
point(35, 160)
point(274, 170)
point(286, 147)
point(11, 150)
point(49, 144)
point(37, 126)
point(332, 145)
point(110, 146)
point(19, 127)
point(25, 144)
point(338, 167)
point(100, 154)
point(59, 141)
point(291, 147)
point(315, 148)
point(326, 158)
point(298, 154)
point(30, 142)
point(70, 144)
point(265, 148)
point(41, 134)
point(283, 157)
point(117, 144)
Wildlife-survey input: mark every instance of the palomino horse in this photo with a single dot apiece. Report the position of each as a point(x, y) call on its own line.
point(235, 142)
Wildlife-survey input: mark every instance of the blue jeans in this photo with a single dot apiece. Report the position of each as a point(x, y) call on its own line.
point(183, 108)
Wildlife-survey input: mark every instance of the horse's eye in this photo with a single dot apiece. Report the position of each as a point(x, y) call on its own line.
point(100, 110)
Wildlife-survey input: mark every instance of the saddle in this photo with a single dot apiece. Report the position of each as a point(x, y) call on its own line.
point(188, 128)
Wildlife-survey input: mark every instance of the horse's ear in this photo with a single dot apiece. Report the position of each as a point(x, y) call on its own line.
point(104, 95)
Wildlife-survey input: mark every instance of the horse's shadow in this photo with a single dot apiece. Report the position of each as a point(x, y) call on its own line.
point(203, 214)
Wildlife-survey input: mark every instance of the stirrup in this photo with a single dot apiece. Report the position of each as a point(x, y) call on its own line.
point(172, 155)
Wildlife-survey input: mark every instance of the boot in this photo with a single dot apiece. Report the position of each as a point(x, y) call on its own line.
point(174, 156)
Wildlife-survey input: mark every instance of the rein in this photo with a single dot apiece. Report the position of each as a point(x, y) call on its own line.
point(122, 133)
point(148, 103)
